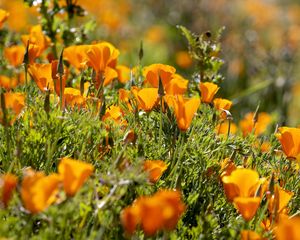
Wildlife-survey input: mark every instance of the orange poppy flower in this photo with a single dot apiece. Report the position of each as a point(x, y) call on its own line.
point(248, 125)
point(8, 83)
point(184, 109)
point(74, 173)
point(42, 75)
point(115, 114)
point(39, 191)
point(72, 98)
point(14, 103)
point(147, 98)
point(183, 59)
point(242, 182)
point(154, 213)
point(222, 128)
point(155, 168)
point(227, 167)
point(250, 235)
point(8, 183)
point(222, 104)
point(14, 55)
point(3, 16)
point(290, 141)
point(102, 57)
point(172, 83)
point(208, 91)
point(247, 206)
point(33, 52)
point(279, 200)
point(123, 73)
point(76, 55)
point(37, 37)
point(288, 229)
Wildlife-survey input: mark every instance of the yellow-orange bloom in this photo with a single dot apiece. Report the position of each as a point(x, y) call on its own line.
point(208, 91)
point(3, 16)
point(222, 104)
point(248, 125)
point(288, 229)
point(250, 235)
point(8, 183)
point(184, 109)
point(290, 141)
point(154, 213)
point(102, 57)
point(73, 98)
point(115, 114)
point(147, 98)
point(39, 191)
point(14, 103)
point(74, 173)
point(42, 75)
point(37, 37)
point(242, 182)
point(173, 83)
point(247, 206)
point(8, 83)
point(14, 55)
point(183, 59)
point(222, 128)
point(279, 200)
point(76, 55)
point(123, 73)
point(155, 168)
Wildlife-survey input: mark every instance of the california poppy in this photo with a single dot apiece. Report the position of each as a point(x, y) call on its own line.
point(183, 59)
point(123, 73)
point(290, 141)
point(14, 55)
point(3, 16)
point(208, 91)
point(8, 83)
point(288, 229)
point(155, 168)
point(184, 109)
point(242, 182)
point(8, 183)
point(249, 124)
point(14, 103)
point(172, 83)
point(42, 75)
point(74, 173)
point(102, 57)
point(37, 37)
point(250, 235)
point(223, 127)
point(76, 55)
point(39, 191)
point(147, 98)
point(73, 98)
point(115, 114)
point(154, 213)
point(247, 206)
point(279, 200)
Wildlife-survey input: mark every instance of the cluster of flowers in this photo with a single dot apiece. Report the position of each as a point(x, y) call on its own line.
point(39, 191)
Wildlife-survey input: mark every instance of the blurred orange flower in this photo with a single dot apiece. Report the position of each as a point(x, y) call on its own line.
point(115, 114)
point(208, 91)
point(288, 229)
point(73, 98)
point(8, 83)
point(250, 235)
point(14, 103)
point(222, 104)
point(14, 55)
point(154, 213)
point(290, 141)
point(3, 16)
point(222, 128)
point(184, 109)
point(39, 191)
point(37, 37)
point(279, 200)
point(247, 124)
point(123, 73)
point(155, 168)
point(8, 183)
point(183, 59)
point(74, 173)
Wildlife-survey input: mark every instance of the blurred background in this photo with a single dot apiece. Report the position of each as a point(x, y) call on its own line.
point(260, 43)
